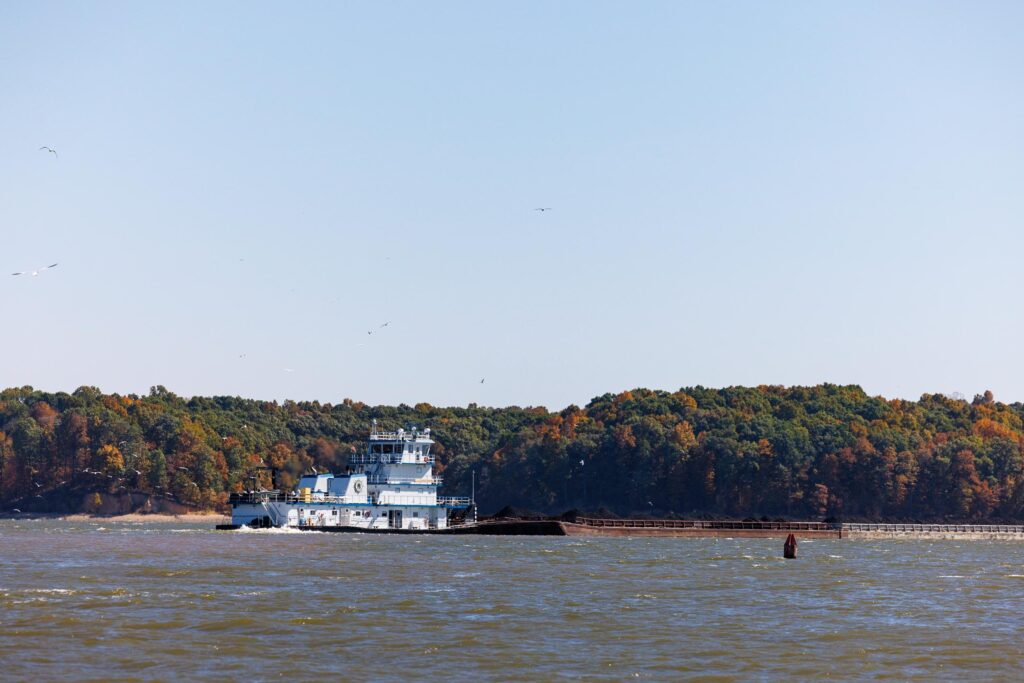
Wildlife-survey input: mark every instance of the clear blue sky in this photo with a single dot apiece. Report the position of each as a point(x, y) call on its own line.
point(742, 193)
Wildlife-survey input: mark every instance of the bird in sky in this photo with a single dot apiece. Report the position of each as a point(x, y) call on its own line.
point(482, 381)
point(37, 271)
point(386, 324)
point(50, 150)
point(369, 332)
point(543, 208)
point(289, 370)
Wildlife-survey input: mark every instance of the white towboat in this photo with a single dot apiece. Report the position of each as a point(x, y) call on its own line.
point(390, 487)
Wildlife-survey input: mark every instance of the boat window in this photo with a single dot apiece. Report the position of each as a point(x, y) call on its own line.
point(426, 450)
point(387, 448)
point(375, 448)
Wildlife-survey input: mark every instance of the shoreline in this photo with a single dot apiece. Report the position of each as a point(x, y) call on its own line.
point(157, 517)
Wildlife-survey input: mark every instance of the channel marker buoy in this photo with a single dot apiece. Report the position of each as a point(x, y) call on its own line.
point(789, 549)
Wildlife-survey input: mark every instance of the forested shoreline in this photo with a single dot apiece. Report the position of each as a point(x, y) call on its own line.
point(796, 452)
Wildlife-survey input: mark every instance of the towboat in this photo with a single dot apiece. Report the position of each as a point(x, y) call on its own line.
point(390, 486)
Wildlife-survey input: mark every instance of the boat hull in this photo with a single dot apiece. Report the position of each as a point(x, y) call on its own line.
point(649, 528)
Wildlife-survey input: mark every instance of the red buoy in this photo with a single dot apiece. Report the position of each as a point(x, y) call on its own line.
point(789, 549)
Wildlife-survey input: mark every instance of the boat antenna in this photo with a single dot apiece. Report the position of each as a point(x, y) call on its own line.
point(472, 493)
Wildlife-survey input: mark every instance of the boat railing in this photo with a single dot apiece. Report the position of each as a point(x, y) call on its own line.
point(390, 459)
point(938, 528)
point(704, 524)
point(404, 436)
point(454, 501)
point(262, 497)
point(378, 479)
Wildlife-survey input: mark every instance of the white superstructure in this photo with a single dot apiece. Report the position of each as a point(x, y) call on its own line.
point(390, 485)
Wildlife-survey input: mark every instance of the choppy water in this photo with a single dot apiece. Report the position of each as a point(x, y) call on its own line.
point(157, 601)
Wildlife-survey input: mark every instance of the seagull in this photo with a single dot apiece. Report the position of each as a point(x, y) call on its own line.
point(482, 381)
point(386, 324)
point(288, 370)
point(543, 208)
point(137, 472)
point(15, 510)
point(369, 332)
point(36, 272)
point(38, 485)
point(241, 355)
point(51, 151)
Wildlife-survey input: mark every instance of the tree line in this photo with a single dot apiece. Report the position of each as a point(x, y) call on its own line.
point(799, 452)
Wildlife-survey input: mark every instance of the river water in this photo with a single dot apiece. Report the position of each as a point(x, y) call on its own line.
point(159, 601)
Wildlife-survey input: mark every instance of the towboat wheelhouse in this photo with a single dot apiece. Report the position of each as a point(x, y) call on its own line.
point(390, 485)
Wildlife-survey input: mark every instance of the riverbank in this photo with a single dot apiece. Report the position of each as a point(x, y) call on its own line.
point(148, 517)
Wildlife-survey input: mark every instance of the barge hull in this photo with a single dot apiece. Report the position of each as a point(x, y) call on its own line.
point(559, 528)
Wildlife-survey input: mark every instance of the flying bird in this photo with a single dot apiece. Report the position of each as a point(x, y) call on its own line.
point(288, 370)
point(482, 381)
point(37, 271)
point(50, 150)
point(543, 208)
point(386, 324)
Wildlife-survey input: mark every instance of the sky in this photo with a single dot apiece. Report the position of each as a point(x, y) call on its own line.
point(741, 193)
